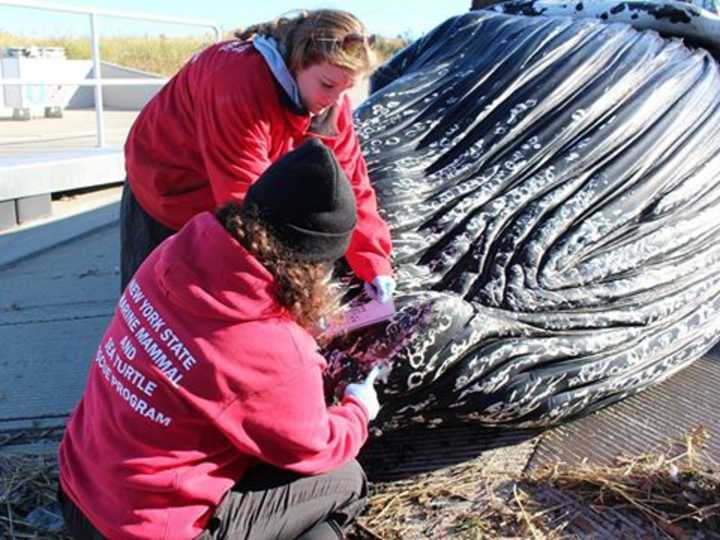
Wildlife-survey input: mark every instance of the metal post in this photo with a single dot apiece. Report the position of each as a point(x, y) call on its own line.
point(97, 75)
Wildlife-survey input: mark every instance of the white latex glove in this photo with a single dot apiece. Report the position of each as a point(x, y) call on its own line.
point(365, 393)
point(381, 289)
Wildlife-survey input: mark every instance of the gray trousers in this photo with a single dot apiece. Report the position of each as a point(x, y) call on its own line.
point(270, 504)
point(139, 235)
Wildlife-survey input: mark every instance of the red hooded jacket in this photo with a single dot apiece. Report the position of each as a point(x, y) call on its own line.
point(199, 375)
point(217, 125)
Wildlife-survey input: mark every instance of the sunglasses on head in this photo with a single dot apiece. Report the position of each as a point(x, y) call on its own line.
point(350, 41)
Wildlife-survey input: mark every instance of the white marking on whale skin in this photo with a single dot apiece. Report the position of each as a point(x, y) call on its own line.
point(418, 407)
point(694, 19)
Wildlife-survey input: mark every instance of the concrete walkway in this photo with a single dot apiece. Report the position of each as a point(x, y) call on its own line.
point(54, 306)
point(75, 131)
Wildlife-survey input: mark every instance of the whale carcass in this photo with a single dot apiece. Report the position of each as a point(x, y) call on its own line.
point(553, 189)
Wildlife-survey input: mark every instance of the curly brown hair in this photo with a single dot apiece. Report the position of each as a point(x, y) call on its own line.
point(305, 289)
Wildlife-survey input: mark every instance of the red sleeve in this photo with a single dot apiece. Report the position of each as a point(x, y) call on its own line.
point(289, 425)
point(233, 129)
point(370, 247)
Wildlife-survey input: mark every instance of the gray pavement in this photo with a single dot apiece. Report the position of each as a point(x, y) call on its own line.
point(59, 276)
point(54, 306)
point(75, 131)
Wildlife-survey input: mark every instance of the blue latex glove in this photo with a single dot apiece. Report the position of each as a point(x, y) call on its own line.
point(365, 393)
point(381, 289)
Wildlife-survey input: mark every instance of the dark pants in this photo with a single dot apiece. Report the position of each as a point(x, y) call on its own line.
point(270, 503)
point(139, 235)
point(273, 503)
point(75, 521)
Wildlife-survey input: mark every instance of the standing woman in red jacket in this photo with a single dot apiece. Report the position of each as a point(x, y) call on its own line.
point(235, 108)
point(204, 414)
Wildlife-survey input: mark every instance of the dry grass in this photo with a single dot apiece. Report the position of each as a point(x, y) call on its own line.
point(651, 496)
point(669, 495)
point(27, 484)
point(161, 55)
point(157, 54)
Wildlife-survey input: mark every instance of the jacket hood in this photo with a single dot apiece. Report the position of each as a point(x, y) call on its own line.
point(204, 271)
point(268, 47)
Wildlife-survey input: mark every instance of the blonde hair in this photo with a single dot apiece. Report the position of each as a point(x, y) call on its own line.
point(314, 37)
point(304, 288)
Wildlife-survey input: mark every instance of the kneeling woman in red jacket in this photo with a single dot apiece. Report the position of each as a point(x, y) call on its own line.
point(204, 413)
point(235, 108)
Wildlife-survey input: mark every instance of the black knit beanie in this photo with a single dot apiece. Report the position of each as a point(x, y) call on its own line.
point(306, 200)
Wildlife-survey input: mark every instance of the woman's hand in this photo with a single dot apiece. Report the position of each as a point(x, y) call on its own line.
point(381, 289)
point(365, 393)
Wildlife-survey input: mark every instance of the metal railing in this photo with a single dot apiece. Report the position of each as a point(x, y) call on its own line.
point(97, 81)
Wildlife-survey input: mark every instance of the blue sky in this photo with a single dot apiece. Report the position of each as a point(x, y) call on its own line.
point(385, 17)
